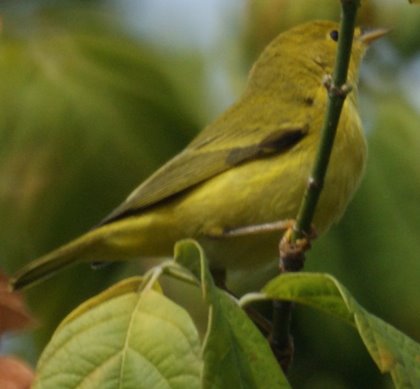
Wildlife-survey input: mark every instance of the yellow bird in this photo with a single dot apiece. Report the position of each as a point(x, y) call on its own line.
point(248, 168)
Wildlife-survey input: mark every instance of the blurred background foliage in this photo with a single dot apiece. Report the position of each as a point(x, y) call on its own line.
point(95, 95)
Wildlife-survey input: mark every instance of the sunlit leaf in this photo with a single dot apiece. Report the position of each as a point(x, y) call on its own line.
point(127, 337)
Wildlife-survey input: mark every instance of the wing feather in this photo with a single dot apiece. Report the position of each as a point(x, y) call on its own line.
point(219, 147)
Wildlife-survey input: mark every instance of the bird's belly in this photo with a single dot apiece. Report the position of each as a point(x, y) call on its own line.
point(254, 193)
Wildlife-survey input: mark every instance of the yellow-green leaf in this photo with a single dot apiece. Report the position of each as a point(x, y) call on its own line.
point(392, 351)
point(126, 337)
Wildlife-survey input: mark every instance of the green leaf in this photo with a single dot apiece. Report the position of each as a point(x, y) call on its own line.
point(235, 353)
point(392, 351)
point(126, 337)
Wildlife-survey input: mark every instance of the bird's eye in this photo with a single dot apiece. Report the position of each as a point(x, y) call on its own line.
point(334, 35)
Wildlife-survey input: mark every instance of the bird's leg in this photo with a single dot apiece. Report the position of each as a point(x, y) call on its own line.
point(280, 226)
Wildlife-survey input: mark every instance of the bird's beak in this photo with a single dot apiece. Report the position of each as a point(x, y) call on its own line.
point(369, 36)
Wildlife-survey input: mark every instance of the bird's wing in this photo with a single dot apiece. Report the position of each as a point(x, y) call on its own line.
point(209, 154)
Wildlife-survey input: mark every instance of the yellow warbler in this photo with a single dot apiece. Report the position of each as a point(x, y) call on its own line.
point(248, 168)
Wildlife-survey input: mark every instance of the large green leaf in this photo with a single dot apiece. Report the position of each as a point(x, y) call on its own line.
point(392, 351)
point(126, 337)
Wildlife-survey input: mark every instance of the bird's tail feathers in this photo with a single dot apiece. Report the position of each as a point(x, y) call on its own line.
point(47, 265)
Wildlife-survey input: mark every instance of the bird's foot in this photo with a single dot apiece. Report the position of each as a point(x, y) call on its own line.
point(292, 251)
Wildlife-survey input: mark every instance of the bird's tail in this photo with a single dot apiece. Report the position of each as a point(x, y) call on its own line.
point(47, 265)
point(117, 241)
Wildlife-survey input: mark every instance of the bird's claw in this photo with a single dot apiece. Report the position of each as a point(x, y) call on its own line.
point(292, 251)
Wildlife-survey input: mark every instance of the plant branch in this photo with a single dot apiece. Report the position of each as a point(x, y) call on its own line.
point(292, 259)
point(337, 92)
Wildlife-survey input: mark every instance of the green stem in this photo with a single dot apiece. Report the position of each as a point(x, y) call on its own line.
point(281, 340)
point(337, 92)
